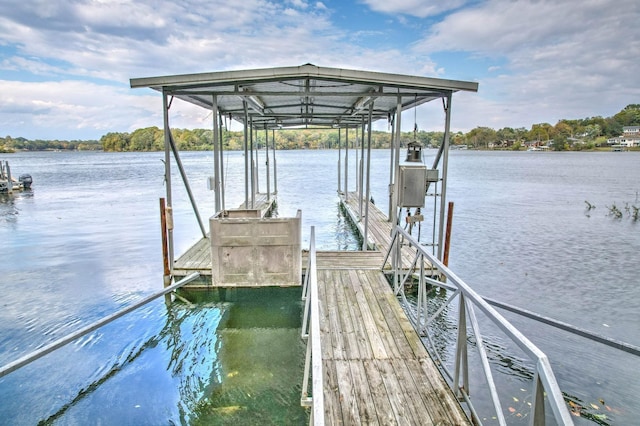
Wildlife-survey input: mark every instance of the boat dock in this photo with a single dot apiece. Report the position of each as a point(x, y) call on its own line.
point(376, 368)
point(366, 361)
point(8, 183)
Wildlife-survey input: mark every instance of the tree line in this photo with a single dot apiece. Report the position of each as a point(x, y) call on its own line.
point(587, 133)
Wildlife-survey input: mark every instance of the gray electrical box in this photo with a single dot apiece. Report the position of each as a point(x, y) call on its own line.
point(432, 175)
point(412, 186)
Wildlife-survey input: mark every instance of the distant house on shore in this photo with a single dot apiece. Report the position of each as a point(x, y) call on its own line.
point(630, 137)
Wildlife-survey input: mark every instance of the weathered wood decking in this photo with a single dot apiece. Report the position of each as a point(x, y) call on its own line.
point(376, 369)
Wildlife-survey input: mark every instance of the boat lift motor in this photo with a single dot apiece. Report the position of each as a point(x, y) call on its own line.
point(414, 152)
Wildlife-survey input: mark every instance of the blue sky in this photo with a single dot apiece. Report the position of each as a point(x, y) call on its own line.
point(65, 65)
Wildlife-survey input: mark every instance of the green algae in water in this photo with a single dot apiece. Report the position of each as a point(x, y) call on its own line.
point(260, 359)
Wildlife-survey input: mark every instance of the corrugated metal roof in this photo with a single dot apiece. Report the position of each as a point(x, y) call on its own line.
point(306, 95)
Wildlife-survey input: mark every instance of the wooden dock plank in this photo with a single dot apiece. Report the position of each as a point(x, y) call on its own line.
point(325, 325)
point(339, 351)
point(381, 401)
point(347, 333)
point(367, 317)
point(366, 406)
point(396, 395)
point(348, 400)
point(391, 379)
point(360, 333)
point(332, 408)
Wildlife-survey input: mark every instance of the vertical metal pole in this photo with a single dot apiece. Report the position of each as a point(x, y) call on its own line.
point(222, 186)
point(167, 171)
point(391, 170)
point(445, 164)
point(361, 177)
point(266, 147)
point(9, 180)
point(355, 148)
point(538, 409)
point(461, 364)
point(339, 160)
point(246, 155)
point(397, 165)
point(257, 144)
point(165, 248)
point(368, 191)
point(216, 158)
point(253, 176)
point(275, 169)
point(346, 164)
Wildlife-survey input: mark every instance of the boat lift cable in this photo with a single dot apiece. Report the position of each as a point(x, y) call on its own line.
point(29, 358)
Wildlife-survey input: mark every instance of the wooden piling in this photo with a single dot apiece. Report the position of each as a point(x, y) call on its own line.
point(447, 237)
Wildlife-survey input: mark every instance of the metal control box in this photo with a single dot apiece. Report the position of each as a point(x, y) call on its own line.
point(412, 186)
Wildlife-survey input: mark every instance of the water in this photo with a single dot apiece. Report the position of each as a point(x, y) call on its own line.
point(86, 242)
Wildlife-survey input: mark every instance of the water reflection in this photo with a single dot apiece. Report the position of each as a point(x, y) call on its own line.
point(227, 357)
point(10, 205)
point(259, 360)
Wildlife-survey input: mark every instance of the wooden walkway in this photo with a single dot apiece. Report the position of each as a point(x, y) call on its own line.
point(376, 369)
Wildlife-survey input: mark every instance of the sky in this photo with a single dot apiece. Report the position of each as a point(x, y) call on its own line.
point(65, 65)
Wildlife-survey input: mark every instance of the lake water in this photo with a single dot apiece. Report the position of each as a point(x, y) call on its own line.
point(86, 242)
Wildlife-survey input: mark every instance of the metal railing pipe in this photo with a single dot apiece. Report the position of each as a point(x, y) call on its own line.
point(29, 358)
point(545, 377)
point(313, 359)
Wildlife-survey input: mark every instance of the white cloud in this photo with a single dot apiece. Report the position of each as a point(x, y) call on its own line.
point(548, 60)
point(76, 108)
point(562, 59)
point(418, 8)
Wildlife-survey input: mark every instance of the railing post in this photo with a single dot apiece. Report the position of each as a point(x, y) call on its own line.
point(422, 300)
point(537, 407)
point(462, 361)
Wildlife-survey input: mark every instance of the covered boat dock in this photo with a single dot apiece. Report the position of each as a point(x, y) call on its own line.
point(365, 360)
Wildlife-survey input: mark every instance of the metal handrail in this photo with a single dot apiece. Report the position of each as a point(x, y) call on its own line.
point(311, 331)
point(545, 383)
point(29, 358)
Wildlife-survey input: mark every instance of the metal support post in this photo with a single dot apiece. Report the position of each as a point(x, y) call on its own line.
point(216, 148)
point(368, 181)
point(346, 164)
point(167, 171)
point(246, 154)
point(275, 168)
point(461, 365)
point(391, 171)
point(222, 185)
point(266, 148)
point(253, 175)
point(339, 160)
point(445, 164)
point(394, 218)
point(361, 174)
